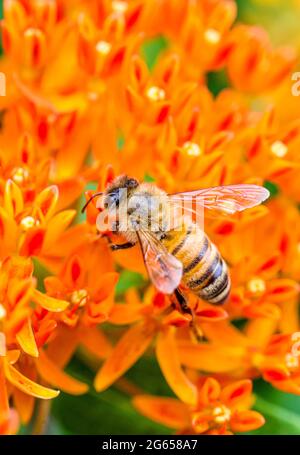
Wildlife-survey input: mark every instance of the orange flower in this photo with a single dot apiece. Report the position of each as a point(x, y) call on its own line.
point(253, 65)
point(260, 295)
point(18, 344)
point(199, 31)
point(218, 410)
point(91, 298)
point(255, 351)
point(29, 223)
point(156, 317)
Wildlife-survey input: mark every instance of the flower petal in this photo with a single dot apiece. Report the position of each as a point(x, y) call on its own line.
point(168, 359)
point(13, 198)
point(51, 373)
point(49, 303)
point(47, 200)
point(33, 242)
point(127, 351)
point(167, 411)
point(209, 357)
point(126, 313)
point(95, 341)
point(282, 290)
point(26, 385)
point(56, 226)
point(26, 340)
point(210, 313)
point(236, 392)
point(4, 406)
point(24, 404)
point(209, 392)
point(247, 420)
point(69, 339)
point(74, 272)
point(275, 373)
point(10, 425)
point(177, 319)
point(13, 355)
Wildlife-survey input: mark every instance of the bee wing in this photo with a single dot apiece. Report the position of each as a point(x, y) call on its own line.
point(226, 200)
point(165, 271)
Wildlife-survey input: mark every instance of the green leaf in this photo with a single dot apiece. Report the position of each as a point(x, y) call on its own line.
point(272, 187)
point(217, 81)
point(152, 48)
point(103, 413)
point(281, 410)
point(109, 412)
point(120, 141)
point(147, 375)
point(279, 420)
point(149, 178)
point(40, 272)
point(129, 280)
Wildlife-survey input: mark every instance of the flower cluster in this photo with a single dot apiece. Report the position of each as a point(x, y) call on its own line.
point(83, 105)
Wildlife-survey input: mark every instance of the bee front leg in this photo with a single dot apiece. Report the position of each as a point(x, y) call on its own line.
point(182, 302)
point(118, 246)
point(122, 246)
point(186, 309)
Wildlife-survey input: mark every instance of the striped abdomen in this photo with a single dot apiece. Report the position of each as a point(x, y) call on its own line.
point(204, 271)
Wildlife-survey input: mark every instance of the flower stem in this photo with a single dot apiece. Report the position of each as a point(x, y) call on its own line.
point(41, 418)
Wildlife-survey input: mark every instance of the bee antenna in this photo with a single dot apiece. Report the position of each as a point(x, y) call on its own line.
point(90, 200)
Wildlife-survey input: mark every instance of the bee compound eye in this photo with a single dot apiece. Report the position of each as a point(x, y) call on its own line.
point(131, 183)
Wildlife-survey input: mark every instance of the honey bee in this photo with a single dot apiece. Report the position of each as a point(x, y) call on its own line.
point(177, 256)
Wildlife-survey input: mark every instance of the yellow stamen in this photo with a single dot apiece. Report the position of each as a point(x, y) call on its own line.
point(221, 414)
point(2, 312)
point(31, 31)
point(279, 149)
point(155, 93)
point(256, 286)
point(192, 149)
point(20, 175)
point(103, 47)
point(28, 222)
point(79, 297)
point(291, 361)
point(212, 36)
point(119, 6)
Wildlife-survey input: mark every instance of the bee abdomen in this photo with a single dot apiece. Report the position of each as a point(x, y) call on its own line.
point(204, 271)
point(207, 275)
point(217, 289)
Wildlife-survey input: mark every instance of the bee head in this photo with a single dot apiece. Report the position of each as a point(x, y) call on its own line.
point(122, 186)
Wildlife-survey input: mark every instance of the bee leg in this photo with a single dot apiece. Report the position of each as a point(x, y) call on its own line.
point(186, 309)
point(115, 246)
point(182, 302)
point(122, 246)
